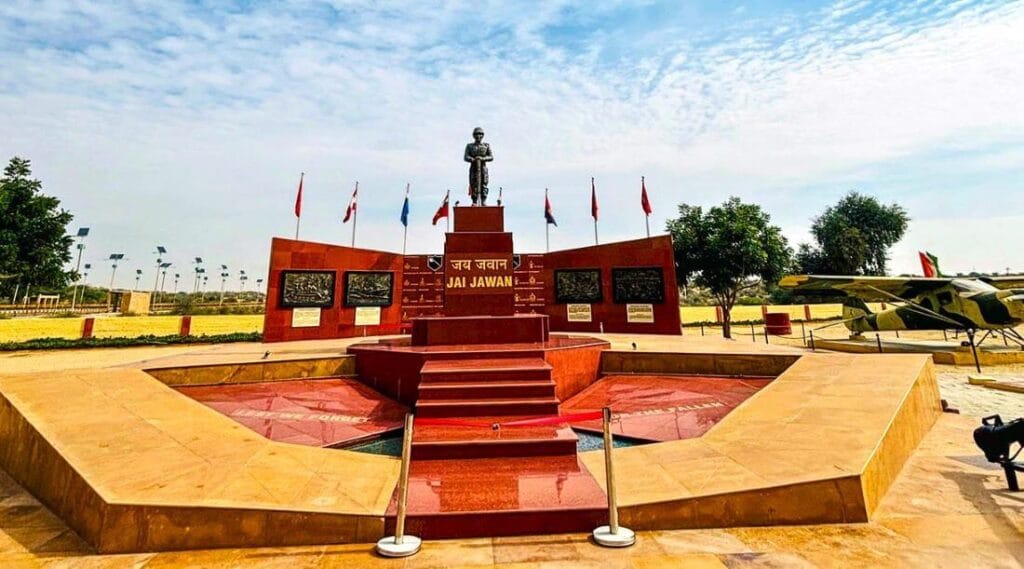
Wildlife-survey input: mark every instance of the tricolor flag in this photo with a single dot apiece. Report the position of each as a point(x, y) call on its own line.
point(549, 216)
point(298, 197)
point(441, 211)
point(351, 209)
point(405, 207)
point(593, 200)
point(929, 264)
point(644, 202)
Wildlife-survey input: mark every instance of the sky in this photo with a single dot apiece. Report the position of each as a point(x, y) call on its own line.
point(186, 125)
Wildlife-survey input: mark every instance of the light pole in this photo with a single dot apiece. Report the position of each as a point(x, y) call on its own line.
point(198, 262)
point(163, 277)
point(176, 277)
point(160, 251)
point(259, 289)
point(241, 284)
point(138, 277)
point(82, 233)
point(223, 280)
point(115, 258)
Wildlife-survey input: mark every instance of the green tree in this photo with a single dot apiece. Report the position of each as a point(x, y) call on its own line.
point(34, 244)
point(728, 250)
point(853, 237)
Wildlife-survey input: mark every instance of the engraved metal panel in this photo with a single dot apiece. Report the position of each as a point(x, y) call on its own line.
point(368, 288)
point(638, 284)
point(578, 286)
point(307, 289)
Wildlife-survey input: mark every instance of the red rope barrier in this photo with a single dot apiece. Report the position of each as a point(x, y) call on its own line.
point(533, 422)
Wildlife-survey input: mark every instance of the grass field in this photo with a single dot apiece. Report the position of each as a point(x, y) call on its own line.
point(21, 329)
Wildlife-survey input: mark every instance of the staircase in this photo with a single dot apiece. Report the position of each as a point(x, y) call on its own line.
point(486, 387)
point(487, 391)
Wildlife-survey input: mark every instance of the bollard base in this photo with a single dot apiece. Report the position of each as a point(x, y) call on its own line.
point(387, 547)
point(624, 538)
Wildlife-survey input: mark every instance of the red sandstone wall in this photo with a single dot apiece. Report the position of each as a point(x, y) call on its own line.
point(419, 291)
point(339, 320)
point(656, 251)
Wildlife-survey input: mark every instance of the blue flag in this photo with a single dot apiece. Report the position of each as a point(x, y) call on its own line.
point(405, 212)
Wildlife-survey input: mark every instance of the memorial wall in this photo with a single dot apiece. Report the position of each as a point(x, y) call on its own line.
point(320, 291)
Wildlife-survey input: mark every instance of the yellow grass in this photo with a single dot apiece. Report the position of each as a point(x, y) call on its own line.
point(21, 329)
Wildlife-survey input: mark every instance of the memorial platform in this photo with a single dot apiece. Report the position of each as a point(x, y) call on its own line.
point(133, 465)
point(992, 352)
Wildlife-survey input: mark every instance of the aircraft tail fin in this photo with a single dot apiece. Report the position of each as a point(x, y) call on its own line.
point(854, 309)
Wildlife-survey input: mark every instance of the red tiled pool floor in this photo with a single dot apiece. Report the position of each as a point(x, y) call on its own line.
point(322, 412)
point(662, 408)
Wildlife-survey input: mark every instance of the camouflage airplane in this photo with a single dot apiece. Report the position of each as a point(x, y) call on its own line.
point(970, 304)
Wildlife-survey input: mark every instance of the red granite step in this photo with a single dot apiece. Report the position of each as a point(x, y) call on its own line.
point(491, 369)
point(485, 407)
point(487, 389)
point(434, 442)
point(501, 496)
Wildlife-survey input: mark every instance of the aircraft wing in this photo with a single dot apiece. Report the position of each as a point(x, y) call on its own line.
point(1004, 282)
point(865, 288)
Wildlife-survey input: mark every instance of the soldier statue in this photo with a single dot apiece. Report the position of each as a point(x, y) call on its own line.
point(478, 154)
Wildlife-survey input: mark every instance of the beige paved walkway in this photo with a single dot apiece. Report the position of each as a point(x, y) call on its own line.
point(947, 509)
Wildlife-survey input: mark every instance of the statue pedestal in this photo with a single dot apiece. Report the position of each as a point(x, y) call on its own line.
point(456, 330)
point(478, 264)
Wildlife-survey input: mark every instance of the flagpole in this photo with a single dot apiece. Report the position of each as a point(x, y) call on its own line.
point(595, 232)
point(647, 221)
point(355, 214)
point(448, 210)
point(405, 232)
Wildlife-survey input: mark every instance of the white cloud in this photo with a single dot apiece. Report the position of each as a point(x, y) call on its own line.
point(187, 126)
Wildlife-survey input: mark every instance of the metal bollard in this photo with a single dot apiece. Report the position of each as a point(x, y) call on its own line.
point(401, 545)
point(611, 535)
point(753, 335)
point(878, 340)
point(812, 340)
point(803, 333)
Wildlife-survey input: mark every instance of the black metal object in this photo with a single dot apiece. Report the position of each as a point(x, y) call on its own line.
point(306, 289)
point(994, 438)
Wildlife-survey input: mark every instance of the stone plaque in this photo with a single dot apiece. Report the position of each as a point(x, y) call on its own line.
point(640, 313)
point(367, 316)
point(368, 288)
point(306, 317)
point(579, 313)
point(638, 285)
point(307, 289)
point(578, 286)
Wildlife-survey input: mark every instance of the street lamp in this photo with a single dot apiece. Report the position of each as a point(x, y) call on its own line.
point(138, 276)
point(176, 277)
point(160, 252)
point(163, 278)
point(223, 279)
point(82, 233)
point(198, 262)
point(115, 258)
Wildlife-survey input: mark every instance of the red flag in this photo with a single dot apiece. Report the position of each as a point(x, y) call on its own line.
point(593, 200)
point(351, 209)
point(927, 266)
point(298, 197)
point(644, 202)
point(441, 211)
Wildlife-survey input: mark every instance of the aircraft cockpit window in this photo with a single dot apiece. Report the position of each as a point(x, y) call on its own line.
point(971, 287)
point(945, 298)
